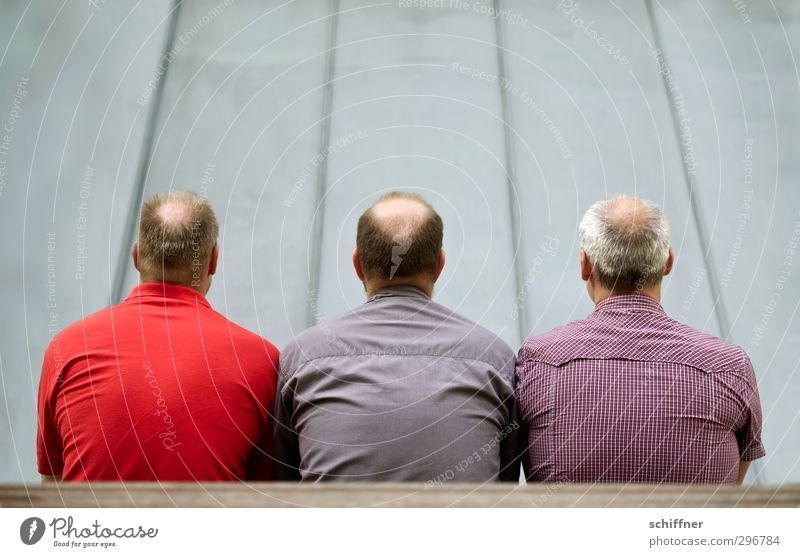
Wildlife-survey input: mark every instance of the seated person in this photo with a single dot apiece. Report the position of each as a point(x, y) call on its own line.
point(400, 388)
point(629, 394)
point(161, 386)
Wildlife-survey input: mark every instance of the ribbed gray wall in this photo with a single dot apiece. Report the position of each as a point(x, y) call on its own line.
point(511, 116)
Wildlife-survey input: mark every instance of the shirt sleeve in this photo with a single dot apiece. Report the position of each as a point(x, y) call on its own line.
point(286, 447)
point(749, 433)
point(512, 444)
point(260, 463)
point(49, 446)
point(522, 369)
point(259, 466)
point(511, 447)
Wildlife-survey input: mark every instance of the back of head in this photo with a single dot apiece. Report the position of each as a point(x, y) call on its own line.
point(399, 237)
point(626, 240)
point(177, 233)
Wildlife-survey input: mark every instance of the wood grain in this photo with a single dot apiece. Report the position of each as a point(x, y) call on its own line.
point(153, 495)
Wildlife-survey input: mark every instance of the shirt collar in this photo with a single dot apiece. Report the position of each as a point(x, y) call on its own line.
point(165, 290)
point(400, 290)
point(635, 302)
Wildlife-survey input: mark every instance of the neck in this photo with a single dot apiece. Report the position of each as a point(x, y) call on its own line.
point(598, 293)
point(372, 287)
point(202, 286)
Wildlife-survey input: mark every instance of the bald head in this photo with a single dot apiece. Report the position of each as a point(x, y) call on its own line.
point(399, 237)
point(175, 212)
point(400, 214)
point(177, 234)
point(629, 214)
point(626, 241)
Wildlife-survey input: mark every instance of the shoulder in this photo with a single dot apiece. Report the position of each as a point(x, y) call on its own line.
point(475, 342)
point(558, 340)
point(443, 333)
point(669, 341)
point(80, 330)
point(245, 338)
point(706, 351)
point(315, 342)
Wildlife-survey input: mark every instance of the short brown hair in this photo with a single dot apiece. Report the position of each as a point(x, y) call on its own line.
point(175, 247)
point(395, 247)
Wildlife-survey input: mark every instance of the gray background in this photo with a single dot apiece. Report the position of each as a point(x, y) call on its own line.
point(237, 99)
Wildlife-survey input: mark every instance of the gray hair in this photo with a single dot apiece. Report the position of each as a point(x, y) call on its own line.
point(626, 240)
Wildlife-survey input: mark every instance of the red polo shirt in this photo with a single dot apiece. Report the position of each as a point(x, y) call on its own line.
point(159, 387)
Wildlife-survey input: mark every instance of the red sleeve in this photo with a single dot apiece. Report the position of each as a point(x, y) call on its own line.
point(260, 465)
point(49, 448)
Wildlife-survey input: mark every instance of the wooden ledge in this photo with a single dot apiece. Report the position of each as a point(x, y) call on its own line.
point(190, 495)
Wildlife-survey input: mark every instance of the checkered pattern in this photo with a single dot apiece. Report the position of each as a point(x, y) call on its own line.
point(631, 395)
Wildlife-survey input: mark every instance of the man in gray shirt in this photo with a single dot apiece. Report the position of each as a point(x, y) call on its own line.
point(400, 388)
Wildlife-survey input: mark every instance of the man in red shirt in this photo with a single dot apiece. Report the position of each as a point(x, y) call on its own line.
point(160, 387)
point(629, 394)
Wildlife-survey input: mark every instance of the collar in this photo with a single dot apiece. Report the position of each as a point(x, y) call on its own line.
point(404, 291)
point(165, 290)
point(630, 302)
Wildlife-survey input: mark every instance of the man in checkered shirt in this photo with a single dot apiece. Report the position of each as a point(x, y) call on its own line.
point(629, 394)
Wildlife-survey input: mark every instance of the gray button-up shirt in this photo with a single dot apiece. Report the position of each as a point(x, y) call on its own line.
point(399, 389)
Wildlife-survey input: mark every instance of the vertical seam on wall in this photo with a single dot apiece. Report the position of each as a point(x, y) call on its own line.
point(511, 177)
point(143, 169)
point(694, 200)
point(315, 257)
point(697, 213)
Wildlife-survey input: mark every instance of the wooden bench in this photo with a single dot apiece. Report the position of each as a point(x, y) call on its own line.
point(392, 495)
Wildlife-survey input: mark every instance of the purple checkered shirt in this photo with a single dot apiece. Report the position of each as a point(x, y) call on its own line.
point(631, 395)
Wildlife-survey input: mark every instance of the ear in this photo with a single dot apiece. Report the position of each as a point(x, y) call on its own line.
point(357, 265)
point(586, 266)
point(212, 263)
point(442, 258)
point(135, 255)
point(670, 262)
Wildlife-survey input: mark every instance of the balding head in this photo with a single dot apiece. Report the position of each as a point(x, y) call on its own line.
point(177, 235)
point(629, 214)
point(626, 241)
point(399, 238)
